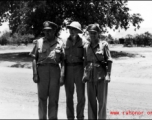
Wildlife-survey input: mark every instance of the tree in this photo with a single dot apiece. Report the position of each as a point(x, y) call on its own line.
point(147, 39)
point(28, 16)
point(110, 39)
point(128, 40)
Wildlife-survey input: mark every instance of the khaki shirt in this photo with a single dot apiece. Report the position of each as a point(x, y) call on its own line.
point(103, 54)
point(74, 53)
point(46, 52)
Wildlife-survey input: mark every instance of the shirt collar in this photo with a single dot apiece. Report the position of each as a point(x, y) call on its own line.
point(97, 45)
point(52, 43)
point(78, 39)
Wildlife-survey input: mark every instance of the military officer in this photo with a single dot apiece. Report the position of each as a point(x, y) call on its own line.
point(98, 60)
point(74, 56)
point(48, 54)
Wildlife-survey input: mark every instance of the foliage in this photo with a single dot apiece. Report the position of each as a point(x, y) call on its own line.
point(144, 39)
point(16, 38)
point(4, 38)
point(129, 40)
point(27, 16)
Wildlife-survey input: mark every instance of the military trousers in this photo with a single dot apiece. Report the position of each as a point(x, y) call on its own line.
point(97, 94)
point(48, 91)
point(73, 76)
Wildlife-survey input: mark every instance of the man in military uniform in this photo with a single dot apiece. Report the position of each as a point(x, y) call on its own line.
point(74, 54)
point(98, 60)
point(48, 54)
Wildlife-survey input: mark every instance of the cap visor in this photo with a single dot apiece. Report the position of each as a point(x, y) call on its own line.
point(92, 30)
point(47, 28)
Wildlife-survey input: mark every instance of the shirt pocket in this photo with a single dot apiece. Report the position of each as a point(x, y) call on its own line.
point(43, 53)
point(79, 51)
point(67, 51)
point(100, 55)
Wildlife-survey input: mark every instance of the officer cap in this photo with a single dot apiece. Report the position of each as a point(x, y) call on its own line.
point(49, 25)
point(94, 28)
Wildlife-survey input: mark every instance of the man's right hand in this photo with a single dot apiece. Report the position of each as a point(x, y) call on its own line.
point(84, 80)
point(35, 78)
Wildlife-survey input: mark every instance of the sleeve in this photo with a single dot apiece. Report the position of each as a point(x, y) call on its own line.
point(34, 52)
point(107, 53)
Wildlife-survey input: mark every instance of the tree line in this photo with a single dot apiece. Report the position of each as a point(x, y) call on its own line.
point(144, 39)
point(27, 16)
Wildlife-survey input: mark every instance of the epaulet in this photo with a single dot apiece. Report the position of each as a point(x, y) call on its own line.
point(36, 40)
point(40, 43)
point(103, 43)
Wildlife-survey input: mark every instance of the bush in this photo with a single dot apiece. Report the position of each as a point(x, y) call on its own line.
point(128, 42)
point(16, 38)
point(27, 38)
point(144, 39)
point(4, 38)
point(116, 41)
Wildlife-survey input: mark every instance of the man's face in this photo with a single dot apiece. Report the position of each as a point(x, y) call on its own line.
point(49, 32)
point(73, 32)
point(93, 35)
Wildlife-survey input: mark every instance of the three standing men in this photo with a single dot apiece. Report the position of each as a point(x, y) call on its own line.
point(48, 53)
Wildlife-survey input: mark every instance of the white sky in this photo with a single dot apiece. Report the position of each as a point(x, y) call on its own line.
point(142, 7)
point(145, 10)
point(4, 28)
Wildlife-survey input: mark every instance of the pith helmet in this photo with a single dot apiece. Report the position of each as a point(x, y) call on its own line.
point(75, 25)
point(49, 25)
point(94, 28)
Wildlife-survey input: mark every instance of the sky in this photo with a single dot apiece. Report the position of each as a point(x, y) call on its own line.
point(142, 7)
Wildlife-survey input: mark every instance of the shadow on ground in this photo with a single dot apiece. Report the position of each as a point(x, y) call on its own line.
point(24, 60)
point(18, 60)
point(116, 54)
point(14, 57)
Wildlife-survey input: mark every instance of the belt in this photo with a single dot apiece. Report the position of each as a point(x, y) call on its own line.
point(74, 64)
point(46, 64)
point(97, 62)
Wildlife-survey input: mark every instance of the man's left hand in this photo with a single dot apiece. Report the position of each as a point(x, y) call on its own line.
point(108, 79)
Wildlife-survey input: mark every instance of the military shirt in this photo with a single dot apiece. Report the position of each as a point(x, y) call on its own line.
point(102, 52)
point(74, 53)
point(48, 52)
